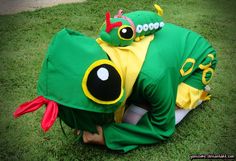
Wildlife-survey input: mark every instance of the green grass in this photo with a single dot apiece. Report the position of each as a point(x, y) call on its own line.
point(23, 42)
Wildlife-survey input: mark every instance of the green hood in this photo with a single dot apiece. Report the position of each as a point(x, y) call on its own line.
point(69, 56)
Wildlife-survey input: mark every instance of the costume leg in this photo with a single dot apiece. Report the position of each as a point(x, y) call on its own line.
point(134, 113)
point(193, 90)
point(180, 114)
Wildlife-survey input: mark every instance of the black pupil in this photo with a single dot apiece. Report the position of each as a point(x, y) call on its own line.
point(104, 83)
point(126, 33)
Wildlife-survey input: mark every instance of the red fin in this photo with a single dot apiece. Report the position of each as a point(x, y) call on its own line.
point(49, 116)
point(29, 106)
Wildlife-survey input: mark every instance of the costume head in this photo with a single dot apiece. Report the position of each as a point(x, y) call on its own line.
point(76, 74)
point(123, 29)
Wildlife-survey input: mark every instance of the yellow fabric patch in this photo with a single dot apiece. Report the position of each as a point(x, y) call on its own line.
point(202, 66)
point(188, 97)
point(129, 60)
point(182, 71)
point(204, 75)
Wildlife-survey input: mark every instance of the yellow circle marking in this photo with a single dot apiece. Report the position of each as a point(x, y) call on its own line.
point(85, 78)
point(189, 60)
point(201, 66)
point(204, 81)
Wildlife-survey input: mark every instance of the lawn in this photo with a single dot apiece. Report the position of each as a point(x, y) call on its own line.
point(23, 42)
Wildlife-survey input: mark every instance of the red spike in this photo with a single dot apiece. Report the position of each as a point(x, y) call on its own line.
point(109, 25)
point(29, 106)
point(50, 115)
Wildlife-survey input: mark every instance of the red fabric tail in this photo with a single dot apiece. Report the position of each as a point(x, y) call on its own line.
point(109, 25)
point(29, 106)
point(50, 114)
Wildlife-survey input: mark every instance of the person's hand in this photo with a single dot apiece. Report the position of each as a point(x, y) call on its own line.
point(95, 138)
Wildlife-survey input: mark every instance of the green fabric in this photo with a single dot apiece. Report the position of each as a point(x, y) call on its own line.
point(208, 76)
point(69, 56)
point(84, 120)
point(187, 66)
point(206, 61)
point(158, 124)
point(157, 86)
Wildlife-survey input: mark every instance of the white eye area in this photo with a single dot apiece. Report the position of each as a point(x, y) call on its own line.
point(151, 26)
point(162, 24)
point(139, 28)
point(145, 27)
point(124, 30)
point(103, 74)
point(156, 25)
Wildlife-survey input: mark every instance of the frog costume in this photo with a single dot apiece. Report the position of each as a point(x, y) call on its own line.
point(88, 82)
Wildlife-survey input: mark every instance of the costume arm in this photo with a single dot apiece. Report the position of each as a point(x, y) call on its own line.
point(156, 125)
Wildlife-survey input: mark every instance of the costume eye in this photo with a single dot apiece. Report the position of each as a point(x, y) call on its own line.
point(125, 32)
point(102, 82)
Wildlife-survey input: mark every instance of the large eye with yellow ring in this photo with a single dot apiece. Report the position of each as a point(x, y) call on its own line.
point(102, 82)
point(125, 32)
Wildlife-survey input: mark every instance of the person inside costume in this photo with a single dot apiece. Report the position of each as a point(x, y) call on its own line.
point(124, 93)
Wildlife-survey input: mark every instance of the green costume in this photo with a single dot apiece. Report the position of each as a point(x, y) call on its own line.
point(83, 84)
point(157, 85)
